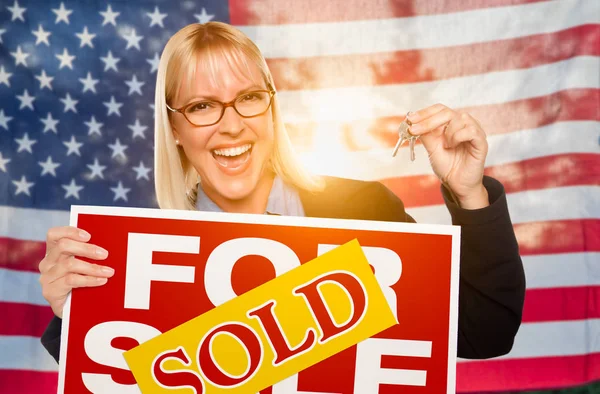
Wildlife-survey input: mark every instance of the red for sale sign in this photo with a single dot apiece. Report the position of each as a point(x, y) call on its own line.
point(173, 266)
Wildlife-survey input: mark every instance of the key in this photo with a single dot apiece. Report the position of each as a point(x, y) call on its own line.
point(404, 135)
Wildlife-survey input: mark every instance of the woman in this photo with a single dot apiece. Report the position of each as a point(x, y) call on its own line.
point(221, 145)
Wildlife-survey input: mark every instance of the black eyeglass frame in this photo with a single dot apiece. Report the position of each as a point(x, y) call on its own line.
point(224, 106)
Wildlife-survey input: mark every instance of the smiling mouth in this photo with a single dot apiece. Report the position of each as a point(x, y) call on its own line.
point(232, 157)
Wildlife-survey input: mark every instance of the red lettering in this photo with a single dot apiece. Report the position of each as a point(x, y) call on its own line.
point(275, 335)
point(248, 338)
point(316, 302)
point(172, 379)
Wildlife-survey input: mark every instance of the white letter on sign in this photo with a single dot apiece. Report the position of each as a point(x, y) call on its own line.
point(388, 268)
point(217, 274)
point(369, 375)
point(141, 271)
point(97, 345)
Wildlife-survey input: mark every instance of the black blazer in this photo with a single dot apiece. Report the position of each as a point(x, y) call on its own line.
point(492, 280)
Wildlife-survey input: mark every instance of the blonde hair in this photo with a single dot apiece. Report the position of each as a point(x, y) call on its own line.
point(175, 178)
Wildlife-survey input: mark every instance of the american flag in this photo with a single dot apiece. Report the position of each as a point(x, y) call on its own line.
point(76, 127)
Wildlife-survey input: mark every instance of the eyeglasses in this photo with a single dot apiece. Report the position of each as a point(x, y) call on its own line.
point(210, 112)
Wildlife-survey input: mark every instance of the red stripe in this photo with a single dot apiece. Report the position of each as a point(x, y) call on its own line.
point(422, 65)
point(557, 304)
point(25, 319)
point(18, 381)
point(274, 12)
point(21, 255)
point(533, 174)
point(567, 105)
point(527, 374)
point(559, 236)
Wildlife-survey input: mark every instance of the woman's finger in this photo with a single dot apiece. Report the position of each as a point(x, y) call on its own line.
point(56, 233)
point(64, 285)
point(424, 113)
point(67, 247)
point(432, 122)
point(76, 266)
point(470, 134)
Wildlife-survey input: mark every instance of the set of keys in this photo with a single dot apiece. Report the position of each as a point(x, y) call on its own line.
point(405, 135)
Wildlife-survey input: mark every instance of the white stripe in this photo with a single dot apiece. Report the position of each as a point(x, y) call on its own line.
point(567, 338)
point(30, 224)
point(25, 353)
point(555, 139)
point(421, 32)
point(560, 203)
point(21, 287)
point(541, 271)
point(562, 270)
point(369, 102)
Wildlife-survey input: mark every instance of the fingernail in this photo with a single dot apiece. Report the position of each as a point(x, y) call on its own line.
point(107, 270)
point(101, 252)
point(102, 280)
point(84, 235)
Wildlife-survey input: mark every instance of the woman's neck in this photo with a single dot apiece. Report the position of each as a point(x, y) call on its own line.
point(256, 202)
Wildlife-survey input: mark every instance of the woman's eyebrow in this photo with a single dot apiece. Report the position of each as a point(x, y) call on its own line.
point(210, 97)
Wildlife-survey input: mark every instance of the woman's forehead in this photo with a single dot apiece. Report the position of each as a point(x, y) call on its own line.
point(217, 74)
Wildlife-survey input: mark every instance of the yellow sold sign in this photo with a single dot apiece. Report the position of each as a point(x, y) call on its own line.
point(271, 332)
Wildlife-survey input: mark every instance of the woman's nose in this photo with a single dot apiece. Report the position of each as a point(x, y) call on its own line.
point(231, 122)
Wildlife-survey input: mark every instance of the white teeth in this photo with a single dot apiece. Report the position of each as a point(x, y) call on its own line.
point(233, 151)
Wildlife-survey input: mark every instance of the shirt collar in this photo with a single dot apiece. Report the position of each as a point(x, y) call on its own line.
point(283, 200)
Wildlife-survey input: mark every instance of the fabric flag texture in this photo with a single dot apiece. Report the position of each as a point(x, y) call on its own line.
point(76, 127)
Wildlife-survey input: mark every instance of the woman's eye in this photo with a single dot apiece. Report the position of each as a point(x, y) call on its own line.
point(200, 107)
point(250, 97)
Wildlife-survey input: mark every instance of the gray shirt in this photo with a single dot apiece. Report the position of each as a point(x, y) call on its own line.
point(283, 200)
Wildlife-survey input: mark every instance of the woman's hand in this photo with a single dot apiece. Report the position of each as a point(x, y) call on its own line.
point(457, 148)
point(61, 270)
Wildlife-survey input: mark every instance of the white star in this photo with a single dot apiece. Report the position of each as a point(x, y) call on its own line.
point(72, 189)
point(62, 14)
point(4, 119)
point(118, 149)
point(110, 61)
point(96, 169)
point(17, 12)
point(2, 31)
point(66, 60)
point(141, 172)
point(26, 100)
point(133, 40)
point(69, 103)
point(120, 191)
point(85, 37)
point(135, 86)
point(157, 17)
point(48, 166)
point(109, 16)
point(73, 146)
point(23, 186)
point(3, 162)
point(20, 56)
point(138, 129)
point(203, 17)
point(154, 62)
point(25, 143)
point(4, 76)
point(45, 80)
point(41, 36)
point(93, 126)
point(50, 123)
point(113, 106)
point(89, 83)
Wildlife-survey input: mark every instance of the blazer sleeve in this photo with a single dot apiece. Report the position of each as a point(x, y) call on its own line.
point(492, 279)
point(51, 337)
